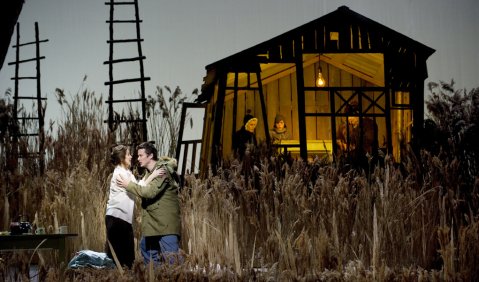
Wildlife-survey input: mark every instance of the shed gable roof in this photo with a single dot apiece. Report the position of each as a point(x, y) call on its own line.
point(355, 34)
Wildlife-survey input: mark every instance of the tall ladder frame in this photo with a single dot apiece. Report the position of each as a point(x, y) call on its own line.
point(40, 117)
point(111, 99)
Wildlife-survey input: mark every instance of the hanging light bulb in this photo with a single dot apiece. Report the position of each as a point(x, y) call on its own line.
point(320, 81)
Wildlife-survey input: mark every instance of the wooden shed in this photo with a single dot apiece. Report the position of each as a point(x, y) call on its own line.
point(359, 59)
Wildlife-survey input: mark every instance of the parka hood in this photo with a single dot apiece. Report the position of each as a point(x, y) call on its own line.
point(170, 163)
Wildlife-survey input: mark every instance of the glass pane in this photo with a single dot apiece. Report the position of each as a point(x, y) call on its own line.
point(401, 98)
point(344, 70)
point(319, 137)
point(401, 125)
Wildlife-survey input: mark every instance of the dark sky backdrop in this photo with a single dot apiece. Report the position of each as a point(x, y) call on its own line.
point(183, 36)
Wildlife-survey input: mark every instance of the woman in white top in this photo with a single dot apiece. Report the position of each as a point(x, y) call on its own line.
point(120, 206)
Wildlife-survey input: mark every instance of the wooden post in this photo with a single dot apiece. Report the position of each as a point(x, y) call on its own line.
point(298, 56)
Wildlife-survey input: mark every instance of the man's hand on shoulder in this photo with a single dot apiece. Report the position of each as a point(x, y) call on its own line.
point(122, 181)
point(160, 172)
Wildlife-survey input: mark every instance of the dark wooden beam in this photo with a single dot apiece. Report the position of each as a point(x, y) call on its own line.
point(298, 53)
point(9, 13)
point(217, 122)
point(263, 108)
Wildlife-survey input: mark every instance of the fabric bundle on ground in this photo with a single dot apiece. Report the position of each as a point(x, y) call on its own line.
point(88, 258)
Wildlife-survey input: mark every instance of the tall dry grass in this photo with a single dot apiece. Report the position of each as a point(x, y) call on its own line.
point(265, 219)
point(73, 190)
point(164, 113)
point(342, 223)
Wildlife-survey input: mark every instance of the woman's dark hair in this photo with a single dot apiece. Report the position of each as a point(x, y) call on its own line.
point(352, 108)
point(278, 118)
point(149, 149)
point(118, 154)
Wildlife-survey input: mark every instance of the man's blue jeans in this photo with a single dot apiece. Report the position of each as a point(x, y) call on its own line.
point(160, 249)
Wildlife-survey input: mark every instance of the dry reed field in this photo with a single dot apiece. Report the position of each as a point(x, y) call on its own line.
point(263, 219)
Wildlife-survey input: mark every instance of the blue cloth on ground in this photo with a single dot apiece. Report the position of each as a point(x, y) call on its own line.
point(88, 258)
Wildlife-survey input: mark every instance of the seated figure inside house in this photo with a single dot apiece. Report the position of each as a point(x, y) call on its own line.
point(357, 138)
point(279, 131)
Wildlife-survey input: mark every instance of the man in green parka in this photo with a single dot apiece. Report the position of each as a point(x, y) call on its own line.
point(160, 218)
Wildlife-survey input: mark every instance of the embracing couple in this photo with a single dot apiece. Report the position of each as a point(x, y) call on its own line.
point(160, 220)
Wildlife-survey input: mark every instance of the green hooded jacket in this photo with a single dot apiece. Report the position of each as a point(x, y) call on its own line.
point(160, 214)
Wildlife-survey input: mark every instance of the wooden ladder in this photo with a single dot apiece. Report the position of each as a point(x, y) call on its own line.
point(113, 120)
point(39, 118)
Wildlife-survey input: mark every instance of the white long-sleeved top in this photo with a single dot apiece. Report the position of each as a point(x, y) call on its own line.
point(120, 202)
